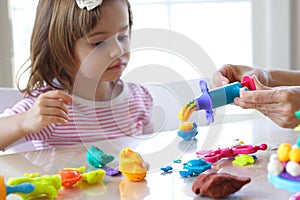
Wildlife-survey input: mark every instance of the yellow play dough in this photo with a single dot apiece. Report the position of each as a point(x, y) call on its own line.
point(132, 165)
point(294, 155)
point(283, 152)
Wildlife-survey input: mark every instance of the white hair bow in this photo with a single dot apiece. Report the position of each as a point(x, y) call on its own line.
point(88, 4)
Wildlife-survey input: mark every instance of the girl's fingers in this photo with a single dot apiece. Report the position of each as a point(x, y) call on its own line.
point(55, 112)
point(57, 94)
point(49, 119)
point(54, 103)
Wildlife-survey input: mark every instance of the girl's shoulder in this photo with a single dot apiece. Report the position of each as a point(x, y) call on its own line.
point(137, 91)
point(137, 88)
point(38, 92)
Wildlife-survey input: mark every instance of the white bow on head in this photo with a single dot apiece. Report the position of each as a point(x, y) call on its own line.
point(88, 4)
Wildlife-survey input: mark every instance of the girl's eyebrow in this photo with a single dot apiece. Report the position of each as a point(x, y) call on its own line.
point(104, 32)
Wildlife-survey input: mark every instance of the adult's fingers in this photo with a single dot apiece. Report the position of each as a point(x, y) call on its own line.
point(219, 80)
point(259, 85)
point(260, 96)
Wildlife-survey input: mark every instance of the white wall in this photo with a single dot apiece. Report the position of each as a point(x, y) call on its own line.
point(295, 26)
point(276, 33)
point(276, 36)
point(6, 49)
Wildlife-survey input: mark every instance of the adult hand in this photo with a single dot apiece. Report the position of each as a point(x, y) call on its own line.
point(50, 107)
point(231, 73)
point(277, 103)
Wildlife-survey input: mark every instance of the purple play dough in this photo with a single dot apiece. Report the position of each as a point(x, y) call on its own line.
point(111, 171)
point(286, 175)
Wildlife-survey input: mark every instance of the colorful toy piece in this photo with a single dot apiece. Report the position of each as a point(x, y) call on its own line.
point(243, 160)
point(188, 131)
point(295, 196)
point(284, 167)
point(69, 177)
point(72, 176)
point(93, 177)
point(5, 190)
point(167, 169)
point(132, 166)
point(297, 113)
point(214, 156)
point(207, 101)
point(194, 168)
point(279, 182)
point(97, 158)
point(215, 98)
point(44, 186)
point(111, 171)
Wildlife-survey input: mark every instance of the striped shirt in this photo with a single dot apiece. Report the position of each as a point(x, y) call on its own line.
point(90, 121)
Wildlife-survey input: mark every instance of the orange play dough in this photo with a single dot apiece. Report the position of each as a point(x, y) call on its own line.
point(186, 126)
point(2, 189)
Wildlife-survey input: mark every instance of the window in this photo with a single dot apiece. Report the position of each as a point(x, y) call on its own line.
point(23, 14)
point(222, 28)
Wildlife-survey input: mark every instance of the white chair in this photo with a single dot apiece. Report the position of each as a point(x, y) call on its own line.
point(9, 97)
point(169, 98)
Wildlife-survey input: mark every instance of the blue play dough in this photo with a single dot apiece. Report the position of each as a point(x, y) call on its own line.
point(97, 158)
point(22, 188)
point(194, 168)
point(187, 135)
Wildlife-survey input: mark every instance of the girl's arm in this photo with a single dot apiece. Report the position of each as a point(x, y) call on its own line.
point(11, 129)
point(48, 108)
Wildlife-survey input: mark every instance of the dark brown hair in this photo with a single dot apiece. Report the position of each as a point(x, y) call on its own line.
point(58, 25)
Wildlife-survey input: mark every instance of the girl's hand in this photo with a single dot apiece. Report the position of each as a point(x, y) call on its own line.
point(50, 107)
point(278, 103)
point(231, 73)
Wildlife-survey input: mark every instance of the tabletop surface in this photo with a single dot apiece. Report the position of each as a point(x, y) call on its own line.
point(159, 150)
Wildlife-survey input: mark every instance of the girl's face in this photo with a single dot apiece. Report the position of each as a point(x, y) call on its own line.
point(104, 53)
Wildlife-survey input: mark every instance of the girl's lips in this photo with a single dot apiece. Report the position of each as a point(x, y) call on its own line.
point(117, 66)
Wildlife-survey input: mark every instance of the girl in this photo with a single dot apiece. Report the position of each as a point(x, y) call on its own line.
point(78, 48)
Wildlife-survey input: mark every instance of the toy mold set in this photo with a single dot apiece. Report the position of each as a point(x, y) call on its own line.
point(284, 166)
point(207, 101)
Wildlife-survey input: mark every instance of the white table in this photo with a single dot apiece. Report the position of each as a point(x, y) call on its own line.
point(160, 150)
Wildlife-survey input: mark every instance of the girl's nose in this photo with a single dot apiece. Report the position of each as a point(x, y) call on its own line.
point(116, 48)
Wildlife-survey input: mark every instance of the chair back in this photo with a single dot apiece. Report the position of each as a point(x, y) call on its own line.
point(9, 97)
